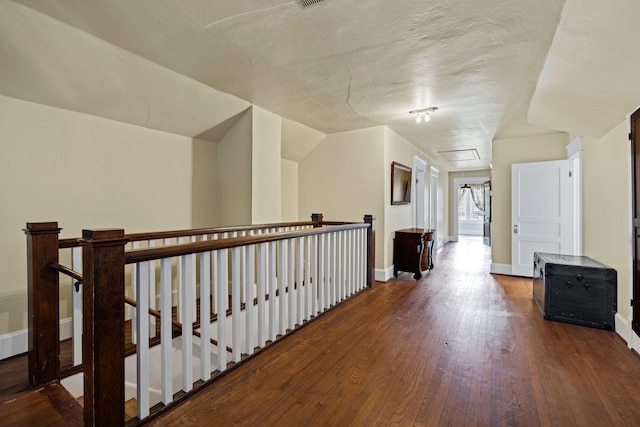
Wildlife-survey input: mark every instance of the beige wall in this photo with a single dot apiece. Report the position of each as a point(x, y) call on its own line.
point(205, 197)
point(607, 211)
point(505, 152)
point(397, 217)
point(290, 191)
point(266, 180)
point(84, 172)
point(342, 177)
point(234, 178)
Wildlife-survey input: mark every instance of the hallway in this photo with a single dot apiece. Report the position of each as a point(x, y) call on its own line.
point(460, 347)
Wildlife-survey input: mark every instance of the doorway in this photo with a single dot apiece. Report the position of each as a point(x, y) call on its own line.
point(457, 184)
point(540, 214)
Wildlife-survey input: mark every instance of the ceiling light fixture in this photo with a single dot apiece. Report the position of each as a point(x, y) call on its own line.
point(423, 114)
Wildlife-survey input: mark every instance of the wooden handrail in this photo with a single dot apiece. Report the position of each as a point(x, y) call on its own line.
point(74, 242)
point(66, 271)
point(174, 323)
point(149, 254)
point(134, 237)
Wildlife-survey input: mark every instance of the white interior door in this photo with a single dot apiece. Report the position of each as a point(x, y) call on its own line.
point(539, 212)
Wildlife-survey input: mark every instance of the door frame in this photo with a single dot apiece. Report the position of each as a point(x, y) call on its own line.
point(434, 177)
point(457, 182)
point(634, 138)
point(420, 193)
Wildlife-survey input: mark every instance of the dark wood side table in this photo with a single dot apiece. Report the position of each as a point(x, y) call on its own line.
point(409, 252)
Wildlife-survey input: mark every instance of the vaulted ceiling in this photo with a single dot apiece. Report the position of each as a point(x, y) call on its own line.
point(497, 68)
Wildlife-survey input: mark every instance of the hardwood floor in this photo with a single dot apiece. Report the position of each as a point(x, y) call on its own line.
point(461, 347)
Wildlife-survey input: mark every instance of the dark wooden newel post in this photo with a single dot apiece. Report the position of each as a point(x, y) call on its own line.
point(371, 250)
point(43, 303)
point(316, 218)
point(103, 326)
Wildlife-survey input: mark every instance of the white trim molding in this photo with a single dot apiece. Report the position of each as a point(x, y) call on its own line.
point(383, 275)
point(501, 269)
point(622, 328)
point(15, 343)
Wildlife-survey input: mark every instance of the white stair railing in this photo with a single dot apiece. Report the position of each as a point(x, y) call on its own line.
point(270, 288)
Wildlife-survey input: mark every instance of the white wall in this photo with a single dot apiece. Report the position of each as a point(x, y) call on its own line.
point(235, 175)
point(343, 178)
point(266, 180)
point(607, 209)
point(290, 191)
point(205, 197)
point(84, 172)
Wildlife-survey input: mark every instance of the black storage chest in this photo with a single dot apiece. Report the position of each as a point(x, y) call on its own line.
point(575, 289)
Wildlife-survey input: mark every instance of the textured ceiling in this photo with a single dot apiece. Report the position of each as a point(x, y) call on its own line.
point(590, 79)
point(336, 66)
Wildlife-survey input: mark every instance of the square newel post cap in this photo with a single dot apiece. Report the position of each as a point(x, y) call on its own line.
point(42, 228)
point(113, 235)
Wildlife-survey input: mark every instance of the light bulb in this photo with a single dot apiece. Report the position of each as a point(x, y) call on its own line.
point(426, 118)
point(418, 118)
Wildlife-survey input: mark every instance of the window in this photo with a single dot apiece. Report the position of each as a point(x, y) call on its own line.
point(470, 203)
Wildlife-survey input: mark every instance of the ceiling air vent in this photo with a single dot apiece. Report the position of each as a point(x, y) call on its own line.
point(307, 3)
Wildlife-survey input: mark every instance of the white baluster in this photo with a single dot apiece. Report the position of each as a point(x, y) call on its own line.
point(236, 329)
point(214, 288)
point(187, 322)
point(152, 293)
point(321, 278)
point(134, 287)
point(194, 281)
point(205, 315)
point(249, 307)
point(142, 350)
point(76, 298)
point(335, 269)
point(352, 263)
point(340, 265)
point(300, 279)
point(282, 287)
point(223, 297)
point(180, 286)
point(273, 331)
point(327, 272)
point(291, 294)
point(166, 335)
point(243, 269)
point(314, 276)
point(360, 257)
point(308, 262)
point(260, 294)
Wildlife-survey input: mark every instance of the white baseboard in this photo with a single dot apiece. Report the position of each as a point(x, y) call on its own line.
point(15, 343)
point(622, 327)
point(382, 275)
point(501, 269)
